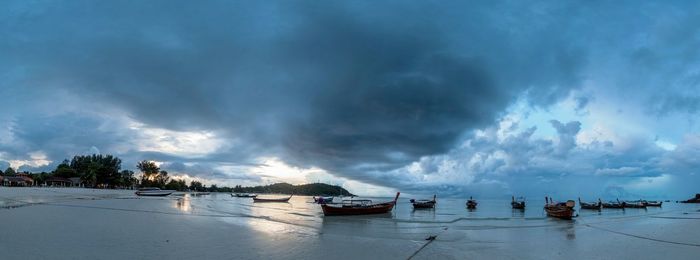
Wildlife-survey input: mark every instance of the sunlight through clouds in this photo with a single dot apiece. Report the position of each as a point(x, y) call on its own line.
point(189, 144)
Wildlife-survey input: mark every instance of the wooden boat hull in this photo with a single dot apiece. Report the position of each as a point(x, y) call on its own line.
point(346, 210)
point(612, 206)
point(653, 203)
point(424, 205)
point(518, 205)
point(153, 193)
point(634, 205)
point(330, 210)
point(259, 200)
point(561, 212)
point(591, 206)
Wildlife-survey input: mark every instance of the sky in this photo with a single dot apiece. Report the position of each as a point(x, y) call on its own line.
point(459, 98)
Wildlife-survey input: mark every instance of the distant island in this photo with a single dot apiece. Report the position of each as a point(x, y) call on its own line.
point(313, 189)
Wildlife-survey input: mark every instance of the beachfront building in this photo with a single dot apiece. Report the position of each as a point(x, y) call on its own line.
point(20, 180)
point(76, 182)
point(57, 182)
point(63, 182)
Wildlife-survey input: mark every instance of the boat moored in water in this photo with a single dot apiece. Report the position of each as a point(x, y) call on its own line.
point(358, 207)
point(635, 204)
point(562, 210)
point(424, 204)
point(471, 203)
point(590, 205)
point(153, 192)
point(613, 205)
point(652, 203)
point(256, 199)
point(243, 195)
point(518, 203)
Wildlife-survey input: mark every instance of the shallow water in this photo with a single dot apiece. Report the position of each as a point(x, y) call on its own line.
point(47, 223)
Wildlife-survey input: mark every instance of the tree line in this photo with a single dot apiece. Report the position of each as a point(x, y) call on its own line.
point(104, 171)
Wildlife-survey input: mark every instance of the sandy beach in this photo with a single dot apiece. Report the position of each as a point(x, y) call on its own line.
point(66, 223)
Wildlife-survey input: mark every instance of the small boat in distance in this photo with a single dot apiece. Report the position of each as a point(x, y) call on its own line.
point(518, 203)
point(256, 199)
point(652, 203)
point(244, 195)
point(153, 192)
point(358, 207)
point(471, 203)
point(424, 204)
point(562, 210)
point(635, 204)
point(613, 205)
point(323, 200)
point(588, 205)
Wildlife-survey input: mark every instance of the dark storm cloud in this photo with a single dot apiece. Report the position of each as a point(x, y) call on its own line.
point(348, 87)
point(356, 88)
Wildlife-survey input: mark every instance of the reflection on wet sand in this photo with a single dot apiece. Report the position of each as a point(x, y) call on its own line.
point(427, 214)
point(183, 204)
point(518, 213)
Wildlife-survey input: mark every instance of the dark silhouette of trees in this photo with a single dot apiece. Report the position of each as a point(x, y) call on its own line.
point(10, 172)
point(127, 179)
point(196, 186)
point(178, 185)
point(97, 170)
point(152, 176)
point(65, 171)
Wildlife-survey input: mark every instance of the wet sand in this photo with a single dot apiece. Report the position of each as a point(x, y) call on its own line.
point(65, 223)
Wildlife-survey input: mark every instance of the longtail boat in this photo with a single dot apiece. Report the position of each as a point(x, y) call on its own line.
point(652, 203)
point(693, 200)
point(613, 205)
point(424, 204)
point(588, 205)
point(517, 203)
point(471, 203)
point(153, 192)
point(358, 207)
point(256, 199)
point(243, 195)
point(562, 210)
point(323, 200)
point(636, 204)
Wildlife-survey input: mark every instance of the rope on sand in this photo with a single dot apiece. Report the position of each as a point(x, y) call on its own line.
point(642, 237)
point(430, 240)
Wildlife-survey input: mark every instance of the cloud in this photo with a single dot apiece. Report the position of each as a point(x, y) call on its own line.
point(338, 89)
point(355, 89)
point(567, 135)
point(622, 171)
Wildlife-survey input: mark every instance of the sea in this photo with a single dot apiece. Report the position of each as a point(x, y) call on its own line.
point(73, 223)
